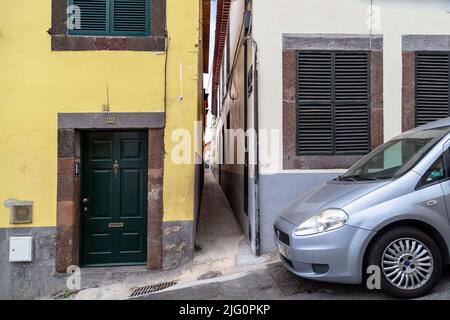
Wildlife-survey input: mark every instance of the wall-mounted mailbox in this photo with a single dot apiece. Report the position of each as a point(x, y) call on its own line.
point(20, 211)
point(20, 249)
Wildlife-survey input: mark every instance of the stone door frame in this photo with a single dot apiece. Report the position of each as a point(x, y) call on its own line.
point(70, 125)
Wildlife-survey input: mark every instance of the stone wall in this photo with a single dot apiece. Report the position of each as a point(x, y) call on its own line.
point(30, 279)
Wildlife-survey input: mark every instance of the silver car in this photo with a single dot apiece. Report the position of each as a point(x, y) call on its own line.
point(388, 214)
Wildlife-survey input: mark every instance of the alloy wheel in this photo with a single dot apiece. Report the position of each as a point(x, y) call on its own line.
point(407, 263)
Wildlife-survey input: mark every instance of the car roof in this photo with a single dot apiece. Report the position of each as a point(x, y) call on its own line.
point(443, 124)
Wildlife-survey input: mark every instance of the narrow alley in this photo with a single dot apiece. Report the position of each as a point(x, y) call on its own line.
point(222, 253)
point(223, 268)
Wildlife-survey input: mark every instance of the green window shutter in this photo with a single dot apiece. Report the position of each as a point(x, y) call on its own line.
point(94, 17)
point(113, 17)
point(131, 17)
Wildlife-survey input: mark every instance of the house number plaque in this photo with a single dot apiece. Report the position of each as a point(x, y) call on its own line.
point(110, 120)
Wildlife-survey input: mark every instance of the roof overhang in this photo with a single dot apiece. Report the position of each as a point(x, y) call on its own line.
point(206, 29)
point(223, 12)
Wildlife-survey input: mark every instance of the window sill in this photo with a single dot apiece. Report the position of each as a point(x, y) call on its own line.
point(310, 162)
point(93, 43)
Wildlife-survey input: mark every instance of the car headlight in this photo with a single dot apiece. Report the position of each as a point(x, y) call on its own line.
point(326, 220)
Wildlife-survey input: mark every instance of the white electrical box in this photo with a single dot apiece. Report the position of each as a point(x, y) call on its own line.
point(20, 249)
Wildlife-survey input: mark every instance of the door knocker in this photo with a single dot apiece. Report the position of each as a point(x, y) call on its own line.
point(116, 168)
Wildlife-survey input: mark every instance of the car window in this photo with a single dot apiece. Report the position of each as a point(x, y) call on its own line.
point(437, 172)
point(395, 157)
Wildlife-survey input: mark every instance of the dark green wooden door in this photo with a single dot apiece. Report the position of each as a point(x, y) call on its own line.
point(113, 198)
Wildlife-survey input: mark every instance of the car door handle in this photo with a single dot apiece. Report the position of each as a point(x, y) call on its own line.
point(431, 203)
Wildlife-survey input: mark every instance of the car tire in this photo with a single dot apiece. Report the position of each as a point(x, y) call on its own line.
point(397, 262)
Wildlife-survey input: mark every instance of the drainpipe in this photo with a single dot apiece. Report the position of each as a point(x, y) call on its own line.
point(166, 58)
point(256, 125)
point(249, 9)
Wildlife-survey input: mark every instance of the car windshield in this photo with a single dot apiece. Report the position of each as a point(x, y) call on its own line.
point(395, 157)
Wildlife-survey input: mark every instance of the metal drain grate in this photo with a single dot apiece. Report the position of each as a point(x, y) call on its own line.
point(142, 291)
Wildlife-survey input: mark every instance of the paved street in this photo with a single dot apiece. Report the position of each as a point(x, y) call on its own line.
point(240, 275)
point(260, 284)
point(224, 268)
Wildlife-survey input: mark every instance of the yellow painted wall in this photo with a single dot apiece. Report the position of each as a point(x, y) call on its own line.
point(36, 84)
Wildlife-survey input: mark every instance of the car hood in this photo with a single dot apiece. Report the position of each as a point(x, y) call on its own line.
point(333, 194)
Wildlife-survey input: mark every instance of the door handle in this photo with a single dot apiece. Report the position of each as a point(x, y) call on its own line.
point(85, 203)
point(116, 168)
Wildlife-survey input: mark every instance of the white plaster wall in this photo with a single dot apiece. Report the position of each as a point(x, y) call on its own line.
point(236, 105)
point(397, 17)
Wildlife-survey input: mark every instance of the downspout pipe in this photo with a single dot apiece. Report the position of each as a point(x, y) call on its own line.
point(166, 60)
point(256, 124)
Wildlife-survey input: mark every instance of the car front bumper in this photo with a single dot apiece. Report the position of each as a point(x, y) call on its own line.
point(333, 256)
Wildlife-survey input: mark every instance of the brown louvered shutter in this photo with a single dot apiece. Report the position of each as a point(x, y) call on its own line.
point(351, 110)
point(432, 88)
point(333, 103)
point(314, 99)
